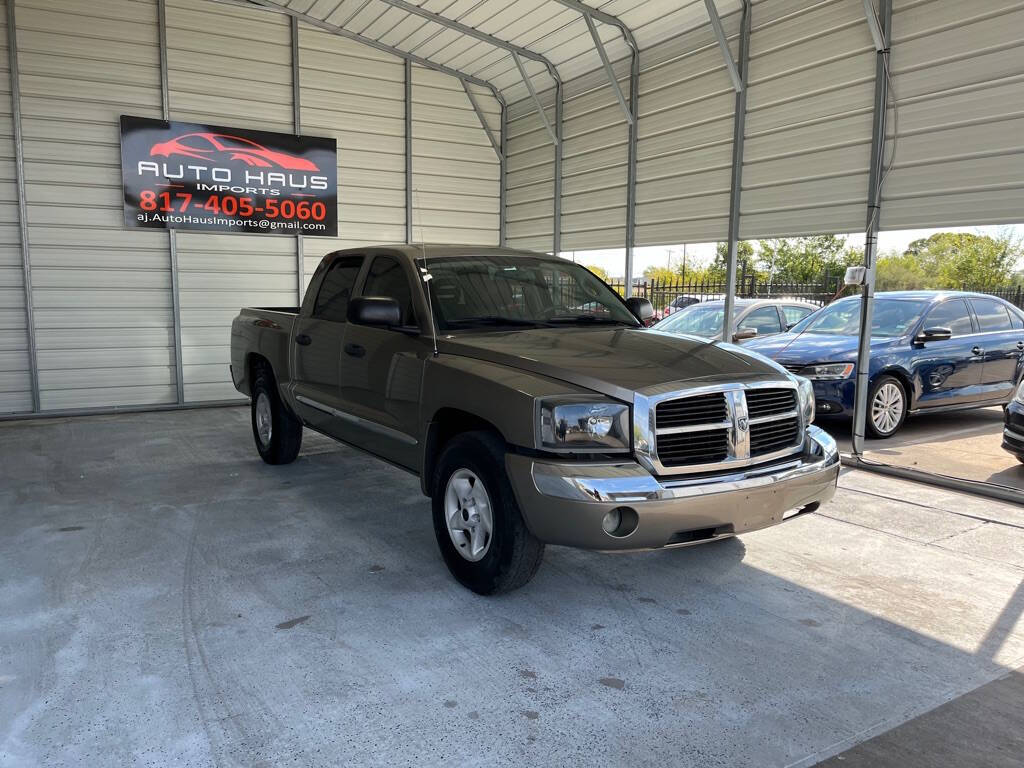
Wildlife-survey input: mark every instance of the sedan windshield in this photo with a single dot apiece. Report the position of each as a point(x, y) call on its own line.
point(699, 320)
point(892, 318)
point(500, 290)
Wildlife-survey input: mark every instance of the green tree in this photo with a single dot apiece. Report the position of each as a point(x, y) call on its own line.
point(662, 274)
point(806, 259)
point(746, 261)
point(599, 271)
point(958, 259)
point(902, 271)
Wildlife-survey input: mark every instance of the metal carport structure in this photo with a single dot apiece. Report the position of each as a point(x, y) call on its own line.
point(546, 124)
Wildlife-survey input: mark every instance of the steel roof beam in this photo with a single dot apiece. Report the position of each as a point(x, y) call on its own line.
point(614, 81)
point(482, 118)
point(270, 5)
point(469, 31)
point(536, 99)
point(723, 44)
point(874, 26)
point(604, 18)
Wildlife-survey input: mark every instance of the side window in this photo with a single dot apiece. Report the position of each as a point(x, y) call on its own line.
point(992, 315)
point(795, 314)
point(387, 278)
point(951, 314)
point(764, 319)
point(336, 289)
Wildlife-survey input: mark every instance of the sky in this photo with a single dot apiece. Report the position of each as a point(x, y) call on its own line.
point(613, 261)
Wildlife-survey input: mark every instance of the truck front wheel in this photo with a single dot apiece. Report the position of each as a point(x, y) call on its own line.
point(278, 434)
point(483, 539)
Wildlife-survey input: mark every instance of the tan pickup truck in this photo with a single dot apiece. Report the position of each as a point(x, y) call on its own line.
point(533, 404)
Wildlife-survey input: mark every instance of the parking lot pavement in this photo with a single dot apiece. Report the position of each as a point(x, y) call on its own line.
point(169, 599)
point(963, 444)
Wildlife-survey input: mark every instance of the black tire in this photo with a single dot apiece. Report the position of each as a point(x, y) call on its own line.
point(885, 431)
point(285, 438)
point(513, 554)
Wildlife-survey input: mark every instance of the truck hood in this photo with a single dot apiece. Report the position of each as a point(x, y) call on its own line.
point(615, 361)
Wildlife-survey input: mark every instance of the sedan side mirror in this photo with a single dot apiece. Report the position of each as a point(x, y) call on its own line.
point(641, 308)
point(380, 311)
point(742, 334)
point(934, 334)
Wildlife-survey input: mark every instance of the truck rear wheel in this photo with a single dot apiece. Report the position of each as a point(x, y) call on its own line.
point(278, 434)
point(481, 532)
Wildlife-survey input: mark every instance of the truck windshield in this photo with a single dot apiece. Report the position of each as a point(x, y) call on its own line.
point(891, 318)
point(499, 290)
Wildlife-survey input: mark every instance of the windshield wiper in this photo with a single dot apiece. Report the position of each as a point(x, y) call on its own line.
point(595, 319)
point(495, 320)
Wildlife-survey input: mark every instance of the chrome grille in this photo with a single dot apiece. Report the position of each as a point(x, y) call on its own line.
point(722, 429)
point(769, 402)
point(793, 367)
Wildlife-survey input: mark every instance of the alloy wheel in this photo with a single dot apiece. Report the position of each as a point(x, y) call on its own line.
point(887, 408)
point(467, 512)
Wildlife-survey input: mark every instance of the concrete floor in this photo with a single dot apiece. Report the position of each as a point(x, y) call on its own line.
point(964, 444)
point(167, 599)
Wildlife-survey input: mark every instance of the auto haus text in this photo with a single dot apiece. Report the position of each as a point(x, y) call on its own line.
point(219, 179)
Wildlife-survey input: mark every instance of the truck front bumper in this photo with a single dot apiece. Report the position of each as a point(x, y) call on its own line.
point(567, 503)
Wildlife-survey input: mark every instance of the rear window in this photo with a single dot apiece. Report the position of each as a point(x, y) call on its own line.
point(992, 315)
point(336, 289)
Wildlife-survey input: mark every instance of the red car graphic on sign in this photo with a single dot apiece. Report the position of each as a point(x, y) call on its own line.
point(214, 146)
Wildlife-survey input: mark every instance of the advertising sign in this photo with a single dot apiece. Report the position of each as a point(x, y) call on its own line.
point(188, 176)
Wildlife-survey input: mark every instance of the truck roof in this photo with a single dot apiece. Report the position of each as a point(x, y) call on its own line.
point(412, 252)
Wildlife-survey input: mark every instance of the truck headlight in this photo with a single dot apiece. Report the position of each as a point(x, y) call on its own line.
point(593, 427)
point(1019, 397)
point(827, 371)
point(805, 392)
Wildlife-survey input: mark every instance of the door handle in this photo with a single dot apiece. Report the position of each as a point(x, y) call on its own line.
point(977, 351)
point(303, 339)
point(1020, 345)
point(355, 350)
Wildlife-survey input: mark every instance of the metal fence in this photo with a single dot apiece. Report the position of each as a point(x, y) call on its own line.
point(675, 294)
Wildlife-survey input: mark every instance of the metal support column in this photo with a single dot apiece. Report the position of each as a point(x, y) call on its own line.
point(634, 105)
point(19, 162)
point(503, 181)
point(876, 177)
point(556, 213)
point(300, 255)
point(408, 151)
point(165, 101)
point(736, 185)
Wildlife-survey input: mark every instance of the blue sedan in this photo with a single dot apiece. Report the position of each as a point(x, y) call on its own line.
point(930, 351)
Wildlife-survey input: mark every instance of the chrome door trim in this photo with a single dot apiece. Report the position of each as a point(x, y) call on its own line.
point(372, 426)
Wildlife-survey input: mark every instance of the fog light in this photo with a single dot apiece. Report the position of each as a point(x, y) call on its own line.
point(620, 522)
point(611, 522)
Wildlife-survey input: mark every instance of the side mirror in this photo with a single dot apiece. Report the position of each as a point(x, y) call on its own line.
point(375, 310)
point(641, 308)
point(934, 334)
point(743, 334)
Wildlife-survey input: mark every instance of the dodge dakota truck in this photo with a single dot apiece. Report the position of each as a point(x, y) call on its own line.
point(533, 404)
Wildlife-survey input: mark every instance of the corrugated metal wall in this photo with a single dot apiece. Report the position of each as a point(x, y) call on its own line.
point(958, 72)
point(357, 95)
point(15, 368)
point(101, 294)
point(230, 67)
point(529, 180)
point(456, 173)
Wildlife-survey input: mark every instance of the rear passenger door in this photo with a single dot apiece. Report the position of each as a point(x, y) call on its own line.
point(318, 342)
point(1000, 345)
point(949, 371)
